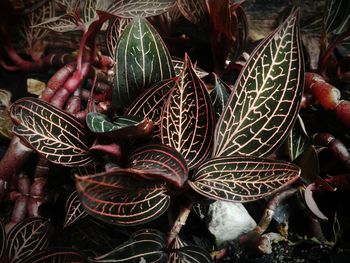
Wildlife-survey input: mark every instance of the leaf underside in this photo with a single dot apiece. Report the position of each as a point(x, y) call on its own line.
point(115, 197)
point(242, 178)
point(54, 134)
point(265, 103)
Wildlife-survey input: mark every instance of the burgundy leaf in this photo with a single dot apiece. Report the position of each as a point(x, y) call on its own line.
point(187, 122)
point(56, 255)
point(161, 161)
point(117, 198)
point(27, 238)
point(74, 210)
point(194, 10)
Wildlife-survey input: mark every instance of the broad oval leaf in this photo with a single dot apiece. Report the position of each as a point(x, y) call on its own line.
point(142, 59)
point(56, 255)
point(27, 237)
point(190, 254)
point(242, 178)
point(113, 33)
point(145, 245)
point(3, 241)
point(139, 8)
point(74, 210)
point(120, 128)
point(161, 161)
point(187, 122)
point(115, 197)
point(179, 66)
point(50, 131)
point(265, 103)
point(219, 95)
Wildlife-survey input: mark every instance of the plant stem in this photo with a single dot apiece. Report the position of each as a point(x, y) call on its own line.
point(179, 223)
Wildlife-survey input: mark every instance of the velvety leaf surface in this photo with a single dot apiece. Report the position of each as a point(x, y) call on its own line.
point(74, 210)
point(162, 161)
point(115, 197)
point(27, 237)
point(219, 96)
point(146, 245)
point(190, 254)
point(137, 8)
point(265, 103)
point(142, 59)
point(187, 122)
point(242, 178)
point(50, 131)
point(3, 241)
point(56, 255)
point(113, 33)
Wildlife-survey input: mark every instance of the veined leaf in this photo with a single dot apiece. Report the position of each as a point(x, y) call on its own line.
point(187, 122)
point(3, 241)
point(113, 33)
point(179, 66)
point(122, 127)
point(145, 245)
point(194, 10)
point(265, 103)
point(219, 96)
point(27, 237)
point(74, 210)
point(242, 178)
point(50, 131)
point(297, 140)
point(139, 8)
point(190, 254)
point(337, 16)
point(56, 255)
point(115, 197)
point(161, 161)
point(142, 59)
point(61, 24)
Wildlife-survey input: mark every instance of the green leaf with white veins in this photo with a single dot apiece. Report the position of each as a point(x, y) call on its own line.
point(142, 59)
point(266, 100)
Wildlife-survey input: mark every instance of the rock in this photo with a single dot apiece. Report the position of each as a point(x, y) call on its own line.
point(227, 221)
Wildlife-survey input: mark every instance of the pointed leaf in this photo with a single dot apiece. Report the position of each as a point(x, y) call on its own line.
point(194, 10)
point(113, 33)
point(309, 165)
point(180, 243)
point(27, 237)
point(74, 210)
point(139, 8)
point(61, 24)
point(219, 96)
point(162, 161)
point(190, 254)
point(142, 59)
point(242, 178)
point(187, 122)
point(337, 16)
point(297, 140)
point(311, 203)
point(115, 197)
point(267, 96)
point(145, 245)
point(56, 255)
point(179, 66)
point(150, 103)
point(122, 127)
point(3, 241)
point(50, 131)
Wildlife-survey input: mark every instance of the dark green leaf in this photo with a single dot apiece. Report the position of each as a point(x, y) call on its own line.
point(297, 140)
point(56, 255)
point(113, 33)
point(145, 245)
point(27, 237)
point(242, 178)
point(74, 210)
point(139, 8)
point(115, 197)
point(179, 66)
point(50, 131)
point(190, 254)
point(309, 165)
point(160, 161)
point(337, 16)
point(120, 128)
point(219, 96)
point(265, 103)
point(187, 122)
point(142, 59)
